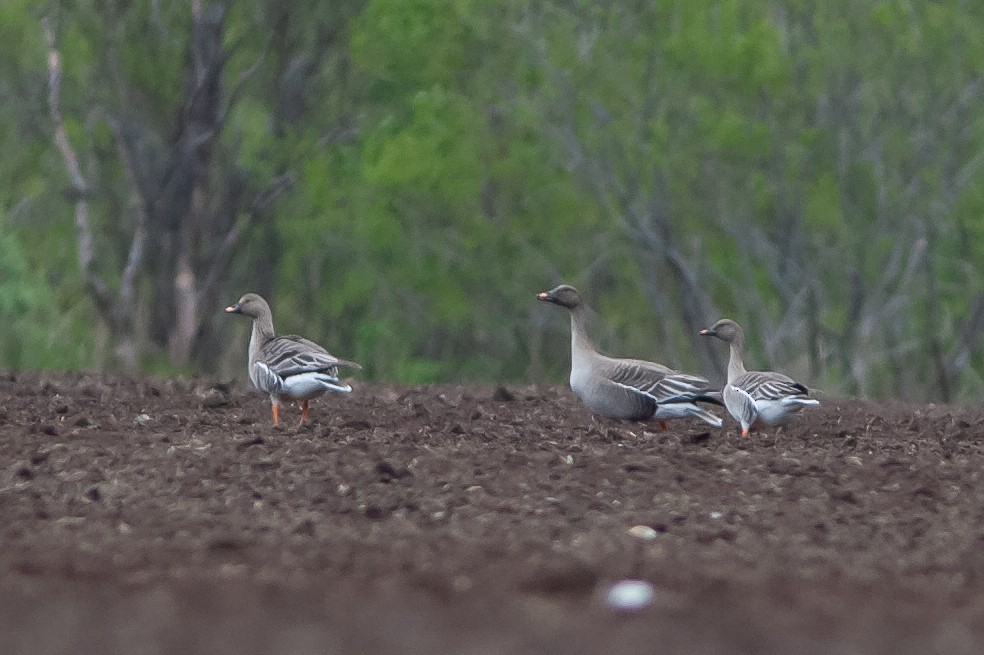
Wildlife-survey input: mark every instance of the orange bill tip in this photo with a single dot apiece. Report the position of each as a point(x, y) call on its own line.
point(231, 309)
point(542, 295)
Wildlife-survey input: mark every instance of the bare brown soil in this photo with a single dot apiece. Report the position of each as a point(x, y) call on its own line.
point(156, 516)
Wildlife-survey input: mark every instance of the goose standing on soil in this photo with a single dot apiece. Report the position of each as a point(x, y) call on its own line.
point(629, 389)
point(756, 398)
point(287, 367)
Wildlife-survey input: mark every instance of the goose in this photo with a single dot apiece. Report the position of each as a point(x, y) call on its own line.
point(756, 398)
point(630, 389)
point(287, 367)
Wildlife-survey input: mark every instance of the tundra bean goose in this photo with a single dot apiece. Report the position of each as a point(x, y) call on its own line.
point(756, 398)
point(287, 367)
point(630, 389)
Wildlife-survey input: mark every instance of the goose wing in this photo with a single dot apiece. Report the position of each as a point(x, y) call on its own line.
point(661, 383)
point(292, 355)
point(761, 385)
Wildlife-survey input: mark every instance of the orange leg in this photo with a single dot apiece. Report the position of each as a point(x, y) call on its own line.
point(663, 425)
point(304, 412)
point(276, 413)
point(744, 432)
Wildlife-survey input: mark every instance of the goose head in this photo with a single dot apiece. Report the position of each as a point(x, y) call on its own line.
point(726, 330)
point(252, 305)
point(565, 295)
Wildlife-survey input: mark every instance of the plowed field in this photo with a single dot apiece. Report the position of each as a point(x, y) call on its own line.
point(159, 516)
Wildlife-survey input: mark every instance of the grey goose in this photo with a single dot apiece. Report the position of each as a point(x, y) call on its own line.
point(756, 398)
point(287, 367)
point(630, 389)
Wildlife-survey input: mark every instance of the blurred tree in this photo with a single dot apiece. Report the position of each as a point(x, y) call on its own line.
point(159, 163)
point(399, 177)
point(430, 231)
point(781, 164)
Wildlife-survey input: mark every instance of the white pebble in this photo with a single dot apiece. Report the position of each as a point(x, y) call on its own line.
point(630, 595)
point(643, 532)
point(716, 516)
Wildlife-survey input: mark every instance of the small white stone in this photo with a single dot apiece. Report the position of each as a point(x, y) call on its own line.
point(142, 419)
point(630, 595)
point(643, 532)
point(716, 516)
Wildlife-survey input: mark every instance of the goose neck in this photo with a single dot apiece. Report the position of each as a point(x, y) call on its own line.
point(736, 367)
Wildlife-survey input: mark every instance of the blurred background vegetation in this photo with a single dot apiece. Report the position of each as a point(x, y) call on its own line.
point(400, 177)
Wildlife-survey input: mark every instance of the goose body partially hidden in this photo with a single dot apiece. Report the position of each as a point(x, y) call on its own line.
point(631, 389)
point(756, 398)
point(288, 367)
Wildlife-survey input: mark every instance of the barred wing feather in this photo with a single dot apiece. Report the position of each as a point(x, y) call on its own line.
point(267, 380)
point(662, 384)
point(770, 386)
point(290, 355)
point(681, 387)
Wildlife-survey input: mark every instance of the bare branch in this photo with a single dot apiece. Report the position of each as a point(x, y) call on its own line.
point(61, 135)
point(220, 260)
point(239, 86)
point(135, 256)
point(277, 187)
point(959, 354)
point(339, 134)
point(83, 227)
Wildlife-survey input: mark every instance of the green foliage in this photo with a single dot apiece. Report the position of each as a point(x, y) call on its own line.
point(822, 207)
point(435, 155)
point(811, 168)
point(33, 334)
point(414, 42)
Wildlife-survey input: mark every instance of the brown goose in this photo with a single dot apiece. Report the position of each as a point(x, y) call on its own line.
point(756, 398)
point(287, 367)
point(628, 388)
